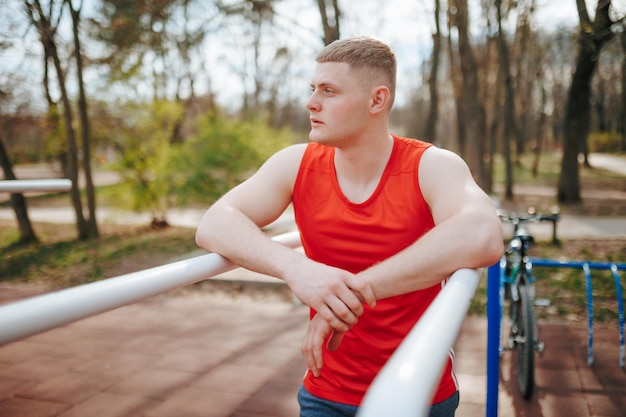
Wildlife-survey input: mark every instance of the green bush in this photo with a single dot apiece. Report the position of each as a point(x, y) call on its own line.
point(221, 154)
point(607, 142)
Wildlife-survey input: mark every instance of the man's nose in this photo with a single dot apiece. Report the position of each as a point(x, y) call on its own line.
point(312, 103)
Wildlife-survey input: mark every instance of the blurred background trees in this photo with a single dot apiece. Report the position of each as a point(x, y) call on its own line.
point(184, 98)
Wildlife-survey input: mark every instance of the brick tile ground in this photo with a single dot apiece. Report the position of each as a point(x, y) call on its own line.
point(187, 356)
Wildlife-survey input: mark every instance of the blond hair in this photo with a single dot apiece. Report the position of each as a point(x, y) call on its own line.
point(371, 58)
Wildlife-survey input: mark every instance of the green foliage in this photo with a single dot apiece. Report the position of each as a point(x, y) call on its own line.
point(609, 142)
point(63, 261)
point(142, 138)
point(55, 132)
point(221, 154)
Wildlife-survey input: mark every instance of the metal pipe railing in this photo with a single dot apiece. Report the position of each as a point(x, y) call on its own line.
point(406, 384)
point(587, 266)
point(21, 186)
point(404, 387)
point(37, 314)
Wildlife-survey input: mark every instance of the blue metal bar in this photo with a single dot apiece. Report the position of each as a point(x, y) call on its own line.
point(577, 264)
point(503, 279)
point(493, 338)
point(587, 266)
point(620, 312)
point(589, 313)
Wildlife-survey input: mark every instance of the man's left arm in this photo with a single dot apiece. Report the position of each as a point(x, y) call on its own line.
point(467, 232)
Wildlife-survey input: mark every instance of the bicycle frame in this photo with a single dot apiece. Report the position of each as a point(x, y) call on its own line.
point(518, 279)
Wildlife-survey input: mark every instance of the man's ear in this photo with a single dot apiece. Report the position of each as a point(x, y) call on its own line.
point(380, 99)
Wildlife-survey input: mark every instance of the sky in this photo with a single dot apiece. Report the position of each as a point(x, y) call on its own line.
point(406, 26)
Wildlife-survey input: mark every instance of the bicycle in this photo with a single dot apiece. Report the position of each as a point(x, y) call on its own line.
point(518, 287)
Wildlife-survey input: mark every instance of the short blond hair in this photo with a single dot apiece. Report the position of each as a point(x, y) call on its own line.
point(372, 58)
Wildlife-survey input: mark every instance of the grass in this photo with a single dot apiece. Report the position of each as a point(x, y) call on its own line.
point(565, 288)
point(59, 260)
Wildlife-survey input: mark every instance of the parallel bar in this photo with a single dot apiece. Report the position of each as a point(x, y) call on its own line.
point(406, 384)
point(587, 267)
point(37, 314)
point(20, 186)
point(589, 313)
point(620, 314)
point(494, 317)
point(577, 264)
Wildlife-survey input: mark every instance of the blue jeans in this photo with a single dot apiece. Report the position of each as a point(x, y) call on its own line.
point(312, 406)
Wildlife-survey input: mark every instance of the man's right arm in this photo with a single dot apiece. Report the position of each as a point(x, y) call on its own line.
point(232, 228)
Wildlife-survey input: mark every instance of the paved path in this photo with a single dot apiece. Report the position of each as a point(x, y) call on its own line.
point(194, 354)
point(570, 225)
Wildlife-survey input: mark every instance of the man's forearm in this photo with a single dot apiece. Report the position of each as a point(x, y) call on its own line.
point(334, 293)
point(469, 241)
point(233, 235)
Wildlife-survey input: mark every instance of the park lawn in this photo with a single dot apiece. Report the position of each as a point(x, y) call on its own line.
point(59, 260)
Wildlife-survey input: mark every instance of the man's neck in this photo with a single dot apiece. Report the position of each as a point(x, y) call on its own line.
point(360, 167)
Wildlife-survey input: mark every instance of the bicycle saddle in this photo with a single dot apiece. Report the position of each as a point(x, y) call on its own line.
point(524, 236)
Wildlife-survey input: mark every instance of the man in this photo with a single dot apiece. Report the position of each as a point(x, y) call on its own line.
point(384, 221)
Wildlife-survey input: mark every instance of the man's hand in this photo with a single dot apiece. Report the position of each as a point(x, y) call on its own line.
point(316, 333)
point(336, 295)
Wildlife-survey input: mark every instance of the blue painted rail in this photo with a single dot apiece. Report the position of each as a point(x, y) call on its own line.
point(494, 286)
point(587, 267)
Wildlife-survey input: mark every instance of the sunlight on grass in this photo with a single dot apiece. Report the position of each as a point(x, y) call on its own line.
point(63, 262)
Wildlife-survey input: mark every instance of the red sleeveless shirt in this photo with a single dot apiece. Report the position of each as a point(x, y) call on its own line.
point(337, 232)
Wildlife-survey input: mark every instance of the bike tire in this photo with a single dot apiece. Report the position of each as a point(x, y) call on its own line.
point(525, 343)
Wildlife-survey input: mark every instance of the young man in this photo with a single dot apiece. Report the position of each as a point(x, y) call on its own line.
point(384, 221)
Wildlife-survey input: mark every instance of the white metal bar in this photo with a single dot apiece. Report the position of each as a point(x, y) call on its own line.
point(44, 312)
point(406, 384)
point(20, 186)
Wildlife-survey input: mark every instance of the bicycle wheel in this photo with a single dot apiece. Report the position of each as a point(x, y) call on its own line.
point(524, 343)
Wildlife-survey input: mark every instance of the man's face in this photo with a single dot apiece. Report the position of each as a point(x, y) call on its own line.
point(338, 105)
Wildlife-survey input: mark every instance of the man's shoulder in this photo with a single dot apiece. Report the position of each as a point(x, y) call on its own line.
point(291, 152)
point(412, 142)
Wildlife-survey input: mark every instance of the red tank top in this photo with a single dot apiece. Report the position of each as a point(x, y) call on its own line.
point(337, 232)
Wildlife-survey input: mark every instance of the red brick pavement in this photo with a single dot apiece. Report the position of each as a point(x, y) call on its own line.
point(198, 355)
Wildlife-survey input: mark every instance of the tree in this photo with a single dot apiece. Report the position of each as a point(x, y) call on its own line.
point(592, 37)
point(257, 16)
point(46, 22)
point(9, 99)
point(330, 13)
point(18, 202)
point(142, 132)
point(623, 113)
point(470, 108)
point(433, 114)
point(92, 225)
point(510, 125)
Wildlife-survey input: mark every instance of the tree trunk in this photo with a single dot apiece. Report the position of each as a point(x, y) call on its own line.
point(46, 33)
point(330, 23)
point(433, 116)
point(593, 36)
point(475, 122)
point(18, 202)
point(495, 127)
point(510, 126)
point(92, 225)
point(541, 124)
point(623, 121)
point(457, 87)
